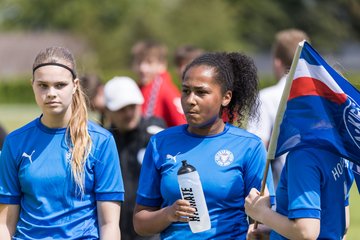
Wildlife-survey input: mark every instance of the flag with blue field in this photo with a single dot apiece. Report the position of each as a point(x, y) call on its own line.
point(322, 110)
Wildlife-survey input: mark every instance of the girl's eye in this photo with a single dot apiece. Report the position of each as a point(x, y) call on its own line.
point(60, 85)
point(186, 91)
point(201, 93)
point(43, 86)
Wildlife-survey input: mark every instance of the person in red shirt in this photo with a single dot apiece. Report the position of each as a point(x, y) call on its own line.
point(161, 95)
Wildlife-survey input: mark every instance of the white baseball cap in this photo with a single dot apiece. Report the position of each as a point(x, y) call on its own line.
point(120, 92)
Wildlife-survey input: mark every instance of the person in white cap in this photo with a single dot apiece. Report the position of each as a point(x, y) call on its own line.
point(123, 100)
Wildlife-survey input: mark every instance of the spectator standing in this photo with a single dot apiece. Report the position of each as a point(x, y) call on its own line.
point(162, 97)
point(132, 133)
point(59, 175)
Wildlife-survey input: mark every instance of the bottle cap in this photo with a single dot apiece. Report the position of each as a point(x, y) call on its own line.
point(186, 168)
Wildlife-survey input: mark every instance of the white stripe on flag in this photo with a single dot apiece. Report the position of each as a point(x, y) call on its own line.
point(304, 69)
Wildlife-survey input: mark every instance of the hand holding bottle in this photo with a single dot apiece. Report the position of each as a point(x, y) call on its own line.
point(180, 211)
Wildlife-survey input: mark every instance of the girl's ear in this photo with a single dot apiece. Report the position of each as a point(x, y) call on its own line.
point(76, 85)
point(226, 98)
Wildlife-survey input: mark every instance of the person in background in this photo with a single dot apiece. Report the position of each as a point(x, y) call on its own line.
point(3, 134)
point(229, 160)
point(132, 132)
point(162, 97)
point(283, 51)
point(59, 175)
point(94, 90)
point(183, 56)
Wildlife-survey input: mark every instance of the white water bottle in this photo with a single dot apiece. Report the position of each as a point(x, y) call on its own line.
point(191, 190)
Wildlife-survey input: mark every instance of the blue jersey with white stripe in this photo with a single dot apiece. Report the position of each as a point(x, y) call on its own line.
point(229, 165)
point(35, 172)
point(315, 184)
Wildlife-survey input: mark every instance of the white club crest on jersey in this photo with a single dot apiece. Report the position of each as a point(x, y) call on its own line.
point(224, 158)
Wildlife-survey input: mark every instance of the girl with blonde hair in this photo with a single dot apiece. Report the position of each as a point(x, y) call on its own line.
point(60, 176)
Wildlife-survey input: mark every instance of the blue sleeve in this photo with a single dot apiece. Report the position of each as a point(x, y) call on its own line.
point(255, 171)
point(304, 196)
point(10, 190)
point(349, 180)
point(108, 179)
point(148, 193)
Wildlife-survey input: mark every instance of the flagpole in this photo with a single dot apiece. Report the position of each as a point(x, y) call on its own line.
point(279, 116)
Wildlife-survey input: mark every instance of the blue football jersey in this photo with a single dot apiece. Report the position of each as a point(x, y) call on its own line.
point(229, 164)
point(35, 172)
point(314, 184)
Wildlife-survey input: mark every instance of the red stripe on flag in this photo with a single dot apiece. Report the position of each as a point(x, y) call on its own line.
point(306, 86)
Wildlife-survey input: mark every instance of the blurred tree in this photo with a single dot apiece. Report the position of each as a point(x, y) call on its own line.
point(205, 23)
point(257, 21)
point(112, 26)
point(327, 22)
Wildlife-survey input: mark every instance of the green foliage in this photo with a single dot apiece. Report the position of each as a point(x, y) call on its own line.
point(322, 20)
point(112, 27)
point(257, 21)
point(16, 91)
point(354, 78)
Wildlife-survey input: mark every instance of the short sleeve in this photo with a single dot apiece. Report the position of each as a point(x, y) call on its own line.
point(148, 193)
point(255, 171)
point(108, 179)
point(304, 196)
point(10, 190)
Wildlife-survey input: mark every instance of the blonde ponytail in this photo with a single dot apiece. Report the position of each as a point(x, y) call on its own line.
point(80, 138)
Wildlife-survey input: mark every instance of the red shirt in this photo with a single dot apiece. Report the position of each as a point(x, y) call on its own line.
point(162, 99)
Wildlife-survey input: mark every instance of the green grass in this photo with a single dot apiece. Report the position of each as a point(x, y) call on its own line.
point(14, 116)
point(354, 230)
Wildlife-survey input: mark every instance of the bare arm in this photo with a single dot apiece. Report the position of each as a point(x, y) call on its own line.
point(149, 220)
point(258, 208)
point(9, 216)
point(347, 220)
point(109, 219)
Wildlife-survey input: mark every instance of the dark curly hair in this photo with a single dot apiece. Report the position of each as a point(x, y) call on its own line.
point(235, 72)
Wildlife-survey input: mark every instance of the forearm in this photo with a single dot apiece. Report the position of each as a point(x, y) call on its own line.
point(9, 215)
point(110, 232)
point(291, 229)
point(109, 219)
point(5, 233)
point(147, 223)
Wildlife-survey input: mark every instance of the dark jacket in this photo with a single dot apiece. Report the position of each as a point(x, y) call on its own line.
point(131, 147)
